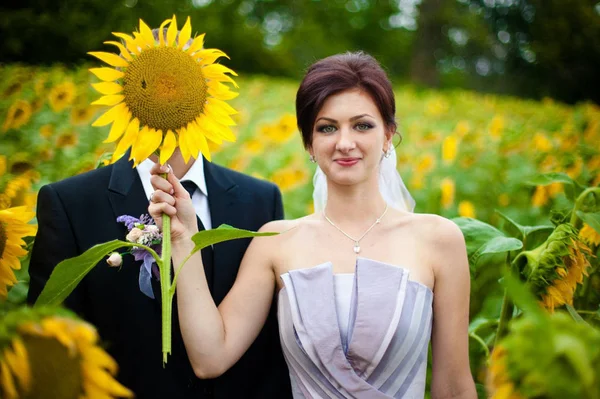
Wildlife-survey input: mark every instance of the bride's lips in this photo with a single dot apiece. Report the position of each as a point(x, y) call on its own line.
point(347, 161)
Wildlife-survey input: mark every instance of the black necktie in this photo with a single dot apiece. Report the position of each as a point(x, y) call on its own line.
point(207, 253)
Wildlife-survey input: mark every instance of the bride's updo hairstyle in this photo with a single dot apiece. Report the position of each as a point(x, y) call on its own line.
point(339, 73)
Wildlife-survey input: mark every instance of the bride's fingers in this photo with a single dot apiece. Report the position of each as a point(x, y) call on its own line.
point(178, 190)
point(159, 169)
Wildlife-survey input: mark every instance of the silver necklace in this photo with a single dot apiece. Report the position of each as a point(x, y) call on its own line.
point(357, 241)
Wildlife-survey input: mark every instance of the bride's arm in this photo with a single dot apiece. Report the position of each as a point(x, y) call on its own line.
point(215, 338)
point(451, 374)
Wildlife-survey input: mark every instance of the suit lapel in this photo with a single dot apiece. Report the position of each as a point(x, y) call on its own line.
point(125, 190)
point(223, 203)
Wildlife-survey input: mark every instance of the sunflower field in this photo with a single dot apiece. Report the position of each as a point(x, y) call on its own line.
point(521, 179)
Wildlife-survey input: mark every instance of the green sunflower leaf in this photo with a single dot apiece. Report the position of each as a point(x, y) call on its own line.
point(224, 232)
point(531, 236)
point(68, 273)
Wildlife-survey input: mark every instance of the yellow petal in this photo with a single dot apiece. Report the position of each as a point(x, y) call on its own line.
point(216, 128)
point(218, 115)
point(110, 115)
point(118, 127)
point(129, 42)
point(107, 74)
point(221, 94)
point(109, 100)
point(128, 139)
point(139, 41)
point(8, 384)
point(185, 34)
point(146, 143)
point(143, 132)
point(197, 44)
point(212, 136)
point(107, 88)
point(168, 147)
point(208, 56)
point(221, 106)
point(122, 49)
point(183, 146)
point(172, 32)
point(146, 33)
point(215, 70)
point(110, 58)
point(161, 32)
point(198, 138)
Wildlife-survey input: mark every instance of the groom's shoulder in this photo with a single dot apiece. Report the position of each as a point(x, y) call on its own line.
point(84, 182)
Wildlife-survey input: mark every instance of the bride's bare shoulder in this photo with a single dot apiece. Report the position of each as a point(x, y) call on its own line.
point(432, 228)
point(281, 226)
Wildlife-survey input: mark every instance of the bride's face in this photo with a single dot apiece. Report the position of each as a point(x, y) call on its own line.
point(349, 137)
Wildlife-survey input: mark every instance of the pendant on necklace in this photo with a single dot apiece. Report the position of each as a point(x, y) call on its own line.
point(356, 248)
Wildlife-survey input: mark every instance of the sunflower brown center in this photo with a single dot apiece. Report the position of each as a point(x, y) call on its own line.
point(164, 88)
point(3, 238)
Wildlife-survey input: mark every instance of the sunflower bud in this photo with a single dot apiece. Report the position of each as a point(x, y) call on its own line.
point(554, 269)
point(115, 260)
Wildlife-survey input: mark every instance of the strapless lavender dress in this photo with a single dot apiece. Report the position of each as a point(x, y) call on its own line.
point(384, 354)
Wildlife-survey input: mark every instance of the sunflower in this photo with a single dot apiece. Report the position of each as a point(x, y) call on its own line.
point(13, 227)
point(554, 269)
point(55, 356)
point(2, 165)
point(18, 115)
point(164, 92)
point(466, 209)
point(449, 149)
point(81, 115)
point(61, 96)
point(447, 188)
point(589, 235)
point(67, 140)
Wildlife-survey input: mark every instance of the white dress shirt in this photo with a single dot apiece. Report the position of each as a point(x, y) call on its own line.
point(195, 174)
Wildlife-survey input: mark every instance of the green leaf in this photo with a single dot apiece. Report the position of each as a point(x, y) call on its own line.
point(549, 178)
point(482, 238)
point(591, 219)
point(496, 245)
point(530, 235)
point(224, 232)
point(68, 273)
point(519, 293)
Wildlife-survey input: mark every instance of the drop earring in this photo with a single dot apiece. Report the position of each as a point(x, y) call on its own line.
point(312, 159)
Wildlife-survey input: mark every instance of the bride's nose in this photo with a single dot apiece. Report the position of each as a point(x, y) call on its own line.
point(345, 141)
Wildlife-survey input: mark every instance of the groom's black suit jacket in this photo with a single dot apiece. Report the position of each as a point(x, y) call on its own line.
point(79, 212)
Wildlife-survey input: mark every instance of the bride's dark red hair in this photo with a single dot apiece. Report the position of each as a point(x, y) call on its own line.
point(338, 73)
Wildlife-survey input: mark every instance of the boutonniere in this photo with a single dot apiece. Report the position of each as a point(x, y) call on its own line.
point(145, 233)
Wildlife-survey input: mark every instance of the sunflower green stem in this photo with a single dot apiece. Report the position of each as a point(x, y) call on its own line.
point(165, 285)
point(507, 309)
point(579, 202)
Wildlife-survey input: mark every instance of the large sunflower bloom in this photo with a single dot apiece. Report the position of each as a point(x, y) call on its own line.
point(164, 93)
point(13, 227)
point(554, 269)
point(55, 356)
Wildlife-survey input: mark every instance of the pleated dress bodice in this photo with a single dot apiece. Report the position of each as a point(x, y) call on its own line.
point(383, 351)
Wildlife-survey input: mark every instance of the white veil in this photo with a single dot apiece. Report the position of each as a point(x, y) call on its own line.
point(392, 188)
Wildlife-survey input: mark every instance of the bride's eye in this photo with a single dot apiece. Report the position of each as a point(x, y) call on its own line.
point(326, 129)
point(363, 126)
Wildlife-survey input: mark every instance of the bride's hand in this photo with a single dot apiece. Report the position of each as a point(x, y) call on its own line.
point(169, 197)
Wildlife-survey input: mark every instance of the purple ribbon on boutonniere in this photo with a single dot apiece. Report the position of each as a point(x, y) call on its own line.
point(145, 232)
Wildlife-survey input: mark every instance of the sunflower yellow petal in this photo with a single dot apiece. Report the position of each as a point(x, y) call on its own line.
point(110, 115)
point(185, 34)
point(219, 116)
point(8, 384)
point(118, 127)
point(183, 145)
point(106, 382)
point(216, 70)
point(134, 147)
point(110, 58)
point(25, 370)
point(221, 106)
point(139, 41)
point(128, 139)
point(172, 32)
point(110, 100)
point(221, 94)
point(124, 52)
point(147, 142)
point(216, 128)
point(209, 56)
point(107, 74)
point(199, 138)
point(197, 44)
point(107, 88)
point(168, 147)
point(146, 33)
point(161, 32)
point(209, 134)
point(129, 42)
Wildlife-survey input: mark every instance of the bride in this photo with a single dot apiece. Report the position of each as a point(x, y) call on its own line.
point(362, 285)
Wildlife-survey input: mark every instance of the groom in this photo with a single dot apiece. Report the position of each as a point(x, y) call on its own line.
point(81, 211)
